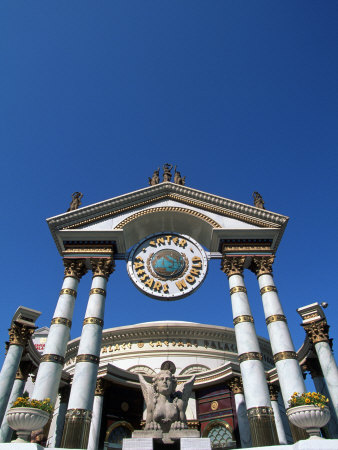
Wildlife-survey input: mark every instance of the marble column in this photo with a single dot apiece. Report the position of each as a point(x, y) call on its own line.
point(289, 372)
point(273, 389)
point(52, 360)
point(236, 387)
point(20, 380)
point(259, 409)
point(58, 421)
point(312, 365)
point(95, 426)
point(19, 334)
point(79, 413)
point(318, 333)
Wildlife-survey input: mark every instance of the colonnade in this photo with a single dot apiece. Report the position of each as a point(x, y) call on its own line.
point(256, 402)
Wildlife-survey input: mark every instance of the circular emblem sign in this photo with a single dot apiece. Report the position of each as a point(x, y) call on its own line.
point(167, 266)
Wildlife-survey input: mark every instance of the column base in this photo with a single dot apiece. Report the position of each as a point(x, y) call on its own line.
point(262, 426)
point(298, 434)
point(76, 429)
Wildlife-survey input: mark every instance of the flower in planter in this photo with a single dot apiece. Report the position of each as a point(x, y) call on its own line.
point(308, 398)
point(26, 402)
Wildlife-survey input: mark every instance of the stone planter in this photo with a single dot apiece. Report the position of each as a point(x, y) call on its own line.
point(309, 417)
point(25, 420)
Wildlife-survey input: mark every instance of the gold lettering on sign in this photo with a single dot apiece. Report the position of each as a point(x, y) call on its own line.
point(183, 243)
point(175, 240)
point(165, 288)
point(160, 241)
point(168, 238)
point(194, 272)
point(157, 286)
point(104, 350)
point(181, 285)
point(158, 344)
point(149, 282)
point(166, 343)
point(190, 279)
point(138, 265)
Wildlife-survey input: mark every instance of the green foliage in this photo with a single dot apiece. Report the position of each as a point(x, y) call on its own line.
point(308, 398)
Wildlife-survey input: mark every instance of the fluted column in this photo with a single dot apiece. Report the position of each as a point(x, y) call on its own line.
point(58, 421)
point(236, 387)
point(52, 360)
point(318, 333)
point(94, 434)
point(19, 334)
point(259, 409)
point(79, 413)
point(273, 389)
point(289, 372)
point(20, 379)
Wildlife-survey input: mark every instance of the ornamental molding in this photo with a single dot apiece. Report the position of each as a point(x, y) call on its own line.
point(233, 265)
point(20, 334)
point(317, 331)
point(166, 191)
point(262, 265)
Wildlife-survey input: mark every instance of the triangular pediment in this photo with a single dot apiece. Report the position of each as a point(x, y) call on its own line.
point(162, 207)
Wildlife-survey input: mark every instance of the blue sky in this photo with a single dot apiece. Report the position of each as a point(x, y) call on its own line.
point(241, 95)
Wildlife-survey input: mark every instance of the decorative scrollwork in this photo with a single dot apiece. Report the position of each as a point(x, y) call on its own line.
point(53, 358)
point(262, 265)
point(236, 385)
point(61, 321)
point(68, 291)
point(275, 318)
point(243, 318)
point(284, 355)
point(236, 289)
point(88, 358)
point(75, 268)
point(318, 331)
point(249, 356)
point(232, 265)
point(93, 320)
point(20, 334)
point(97, 291)
point(102, 267)
point(268, 289)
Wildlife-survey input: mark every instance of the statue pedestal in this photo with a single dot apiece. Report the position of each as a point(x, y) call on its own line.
point(156, 440)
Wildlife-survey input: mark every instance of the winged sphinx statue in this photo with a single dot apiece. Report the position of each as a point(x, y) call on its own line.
point(166, 403)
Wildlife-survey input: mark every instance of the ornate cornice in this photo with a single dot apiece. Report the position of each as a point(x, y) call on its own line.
point(317, 331)
point(74, 268)
point(20, 334)
point(102, 267)
point(232, 265)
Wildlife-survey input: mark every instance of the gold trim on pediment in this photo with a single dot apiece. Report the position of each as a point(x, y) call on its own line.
point(215, 209)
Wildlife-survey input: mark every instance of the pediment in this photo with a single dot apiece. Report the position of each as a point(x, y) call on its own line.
point(167, 206)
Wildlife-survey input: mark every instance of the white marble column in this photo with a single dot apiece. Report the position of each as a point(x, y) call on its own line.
point(95, 426)
point(236, 387)
point(289, 372)
point(20, 379)
point(18, 337)
point(81, 398)
point(49, 373)
point(256, 390)
point(318, 333)
point(279, 424)
point(58, 421)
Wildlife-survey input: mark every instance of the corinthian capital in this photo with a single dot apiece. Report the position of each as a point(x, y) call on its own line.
point(100, 386)
point(318, 331)
point(233, 265)
point(273, 391)
point(74, 268)
point(236, 385)
point(262, 265)
point(20, 334)
point(102, 267)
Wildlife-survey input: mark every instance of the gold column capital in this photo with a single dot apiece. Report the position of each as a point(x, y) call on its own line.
point(317, 331)
point(273, 391)
point(262, 265)
point(75, 268)
point(102, 267)
point(232, 265)
point(100, 387)
point(20, 334)
point(236, 385)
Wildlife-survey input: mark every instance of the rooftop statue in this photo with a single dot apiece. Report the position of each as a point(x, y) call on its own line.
point(166, 404)
point(177, 177)
point(258, 200)
point(167, 172)
point(155, 179)
point(76, 201)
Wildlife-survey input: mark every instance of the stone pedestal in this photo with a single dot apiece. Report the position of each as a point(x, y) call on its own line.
point(151, 440)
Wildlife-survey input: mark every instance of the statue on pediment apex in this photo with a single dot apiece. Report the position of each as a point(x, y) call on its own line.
point(155, 179)
point(258, 200)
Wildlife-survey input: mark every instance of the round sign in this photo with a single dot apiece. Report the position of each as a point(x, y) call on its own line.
point(167, 266)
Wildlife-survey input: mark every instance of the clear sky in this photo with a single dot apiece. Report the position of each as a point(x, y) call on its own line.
point(241, 95)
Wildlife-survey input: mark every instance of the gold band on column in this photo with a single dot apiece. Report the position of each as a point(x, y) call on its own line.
point(262, 426)
point(68, 291)
point(88, 358)
point(250, 356)
point(243, 318)
point(93, 320)
point(275, 318)
point(236, 289)
point(53, 358)
point(61, 321)
point(97, 291)
point(268, 289)
point(76, 429)
point(284, 355)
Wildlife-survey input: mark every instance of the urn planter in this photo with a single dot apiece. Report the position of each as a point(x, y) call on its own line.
point(309, 417)
point(24, 420)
